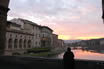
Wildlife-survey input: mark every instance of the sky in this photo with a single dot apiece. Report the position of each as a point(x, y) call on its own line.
point(70, 19)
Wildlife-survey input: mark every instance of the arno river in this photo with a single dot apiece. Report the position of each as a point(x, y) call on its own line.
point(87, 55)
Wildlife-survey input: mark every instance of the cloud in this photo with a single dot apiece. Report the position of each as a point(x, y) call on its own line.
point(73, 17)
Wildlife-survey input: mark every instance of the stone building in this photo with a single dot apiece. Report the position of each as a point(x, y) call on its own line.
point(46, 34)
point(37, 35)
point(18, 21)
point(42, 34)
point(3, 18)
point(55, 41)
point(23, 34)
point(32, 28)
point(12, 25)
point(17, 40)
point(35, 29)
point(60, 43)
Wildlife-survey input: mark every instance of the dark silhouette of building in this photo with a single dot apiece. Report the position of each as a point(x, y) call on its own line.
point(3, 19)
point(103, 9)
point(68, 59)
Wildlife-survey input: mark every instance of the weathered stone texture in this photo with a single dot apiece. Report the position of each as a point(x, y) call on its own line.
point(2, 33)
point(3, 19)
point(4, 3)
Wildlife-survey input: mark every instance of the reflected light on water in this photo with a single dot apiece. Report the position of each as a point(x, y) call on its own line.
point(88, 55)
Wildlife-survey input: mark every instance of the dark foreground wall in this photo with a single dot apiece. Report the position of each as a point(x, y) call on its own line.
point(3, 19)
point(13, 62)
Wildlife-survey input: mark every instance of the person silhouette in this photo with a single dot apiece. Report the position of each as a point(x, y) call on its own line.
point(68, 59)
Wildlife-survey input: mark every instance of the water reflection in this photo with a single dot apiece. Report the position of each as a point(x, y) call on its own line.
point(84, 54)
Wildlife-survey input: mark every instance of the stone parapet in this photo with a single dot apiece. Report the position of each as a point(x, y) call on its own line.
point(16, 62)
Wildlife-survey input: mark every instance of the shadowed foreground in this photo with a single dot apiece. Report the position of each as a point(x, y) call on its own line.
point(15, 62)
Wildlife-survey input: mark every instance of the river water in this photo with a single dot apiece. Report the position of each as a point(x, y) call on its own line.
point(86, 55)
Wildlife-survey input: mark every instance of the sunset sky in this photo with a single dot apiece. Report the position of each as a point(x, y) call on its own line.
point(70, 19)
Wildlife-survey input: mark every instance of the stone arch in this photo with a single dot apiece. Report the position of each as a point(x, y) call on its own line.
point(25, 43)
point(29, 44)
point(10, 41)
point(15, 43)
point(20, 43)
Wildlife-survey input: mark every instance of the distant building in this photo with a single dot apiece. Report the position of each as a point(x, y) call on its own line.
point(60, 43)
point(46, 34)
point(35, 29)
point(83, 43)
point(55, 40)
point(37, 36)
point(17, 40)
point(23, 34)
point(32, 28)
point(102, 42)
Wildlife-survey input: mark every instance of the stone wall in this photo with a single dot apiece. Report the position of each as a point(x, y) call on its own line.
point(14, 62)
point(3, 19)
point(17, 42)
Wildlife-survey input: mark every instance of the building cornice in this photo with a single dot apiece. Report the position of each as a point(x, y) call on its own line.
point(47, 28)
point(19, 31)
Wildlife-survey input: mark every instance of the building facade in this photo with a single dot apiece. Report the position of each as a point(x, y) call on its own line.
point(55, 41)
point(37, 35)
point(46, 34)
point(23, 34)
point(17, 40)
point(60, 43)
point(32, 28)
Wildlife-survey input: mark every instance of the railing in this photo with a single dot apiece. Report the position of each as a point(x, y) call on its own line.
point(19, 62)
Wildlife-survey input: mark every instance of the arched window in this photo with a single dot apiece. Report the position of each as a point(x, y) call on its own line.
point(29, 44)
point(15, 43)
point(20, 43)
point(24, 43)
point(10, 43)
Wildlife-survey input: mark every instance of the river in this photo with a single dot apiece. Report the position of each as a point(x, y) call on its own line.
point(86, 55)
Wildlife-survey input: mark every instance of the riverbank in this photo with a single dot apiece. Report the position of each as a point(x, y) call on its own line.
point(43, 52)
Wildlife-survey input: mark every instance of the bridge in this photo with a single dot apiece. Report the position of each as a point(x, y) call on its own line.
point(23, 62)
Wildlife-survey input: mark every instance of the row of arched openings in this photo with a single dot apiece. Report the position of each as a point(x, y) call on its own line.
point(19, 44)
